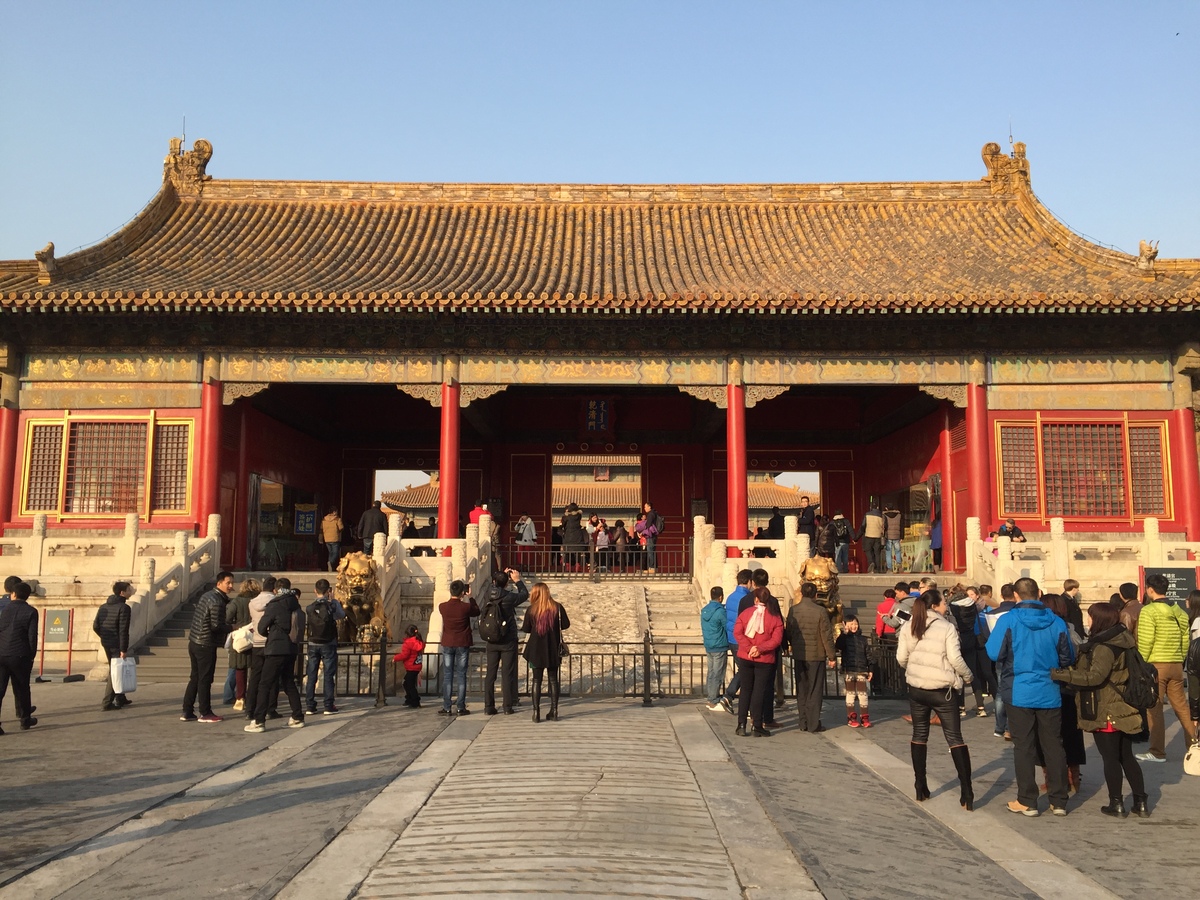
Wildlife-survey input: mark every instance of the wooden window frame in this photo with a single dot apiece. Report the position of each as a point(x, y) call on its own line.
point(66, 420)
point(1036, 422)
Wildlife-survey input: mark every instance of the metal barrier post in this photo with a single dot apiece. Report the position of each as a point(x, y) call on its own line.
point(380, 697)
point(646, 669)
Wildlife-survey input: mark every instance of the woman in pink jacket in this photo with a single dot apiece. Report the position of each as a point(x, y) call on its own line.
point(758, 632)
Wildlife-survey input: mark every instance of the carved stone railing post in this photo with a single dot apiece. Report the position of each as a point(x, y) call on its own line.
point(37, 541)
point(1004, 559)
point(791, 548)
point(803, 549)
point(393, 527)
point(1060, 551)
point(378, 543)
point(718, 551)
point(133, 526)
point(441, 593)
point(974, 548)
point(729, 572)
point(1152, 554)
point(182, 550)
point(486, 550)
point(146, 575)
point(701, 542)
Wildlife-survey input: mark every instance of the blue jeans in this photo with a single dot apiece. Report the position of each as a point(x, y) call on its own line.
point(335, 555)
point(1001, 716)
point(893, 555)
point(319, 654)
point(716, 673)
point(841, 557)
point(230, 692)
point(454, 675)
point(735, 683)
point(651, 555)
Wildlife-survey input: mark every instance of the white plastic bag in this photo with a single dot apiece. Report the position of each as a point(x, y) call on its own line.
point(124, 674)
point(1191, 761)
point(243, 639)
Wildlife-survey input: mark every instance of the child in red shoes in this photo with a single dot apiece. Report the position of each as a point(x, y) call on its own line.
point(856, 670)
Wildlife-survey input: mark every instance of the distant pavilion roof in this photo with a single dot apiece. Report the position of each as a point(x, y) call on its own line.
point(983, 245)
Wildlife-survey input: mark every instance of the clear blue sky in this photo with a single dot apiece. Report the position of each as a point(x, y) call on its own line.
point(1105, 95)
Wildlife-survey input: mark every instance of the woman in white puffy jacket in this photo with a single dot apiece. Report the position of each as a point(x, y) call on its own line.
point(929, 652)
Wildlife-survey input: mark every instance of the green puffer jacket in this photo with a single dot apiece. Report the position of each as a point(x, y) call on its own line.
point(1162, 632)
point(1100, 674)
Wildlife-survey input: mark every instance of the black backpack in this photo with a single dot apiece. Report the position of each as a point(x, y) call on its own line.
point(322, 626)
point(841, 531)
point(1141, 690)
point(492, 623)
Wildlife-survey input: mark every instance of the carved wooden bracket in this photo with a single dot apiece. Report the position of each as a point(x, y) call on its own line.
point(755, 393)
point(955, 393)
point(235, 390)
point(471, 392)
point(430, 393)
point(717, 395)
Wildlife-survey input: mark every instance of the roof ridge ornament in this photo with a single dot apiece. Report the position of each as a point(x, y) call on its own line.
point(184, 169)
point(47, 266)
point(1007, 174)
point(1147, 253)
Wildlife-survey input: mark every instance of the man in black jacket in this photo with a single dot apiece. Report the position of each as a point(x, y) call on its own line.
point(205, 636)
point(112, 626)
point(503, 653)
point(371, 523)
point(18, 646)
point(282, 624)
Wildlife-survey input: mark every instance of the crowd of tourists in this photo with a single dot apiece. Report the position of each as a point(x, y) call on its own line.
point(581, 542)
point(1051, 670)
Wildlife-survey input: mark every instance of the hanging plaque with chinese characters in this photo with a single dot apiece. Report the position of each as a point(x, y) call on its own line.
point(597, 419)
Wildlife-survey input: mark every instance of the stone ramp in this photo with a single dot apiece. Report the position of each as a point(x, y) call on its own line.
point(674, 617)
point(603, 803)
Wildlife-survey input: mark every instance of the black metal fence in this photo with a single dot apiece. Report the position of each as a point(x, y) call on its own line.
point(553, 561)
point(636, 670)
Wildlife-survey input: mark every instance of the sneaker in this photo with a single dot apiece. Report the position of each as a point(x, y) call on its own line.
point(464, 712)
point(255, 728)
point(333, 710)
point(188, 717)
point(211, 719)
point(866, 720)
point(852, 719)
point(1000, 734)
point(1149, 757)
point(28, 723)
point(1008, 735)
point(981, 713)
point(1059, 811)
point(312, 711)
point(1018, 807)
point(444, 712)
point(713, 707)
point(726, 705)
point(239, 705)
point(295, 723)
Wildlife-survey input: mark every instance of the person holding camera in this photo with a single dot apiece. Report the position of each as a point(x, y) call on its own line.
point(457, 613)
point(498, 628)
point(928, 650)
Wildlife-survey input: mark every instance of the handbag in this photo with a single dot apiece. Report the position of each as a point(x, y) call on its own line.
point(124, 674)
point(243, 639)
point(1088, 705)
point(1191, 759)
point(564, 649)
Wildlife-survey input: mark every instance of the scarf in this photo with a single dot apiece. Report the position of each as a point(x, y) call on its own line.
point(755, 625)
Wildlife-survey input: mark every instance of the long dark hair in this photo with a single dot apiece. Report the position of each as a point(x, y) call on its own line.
point(920, 610)
point(769, 601)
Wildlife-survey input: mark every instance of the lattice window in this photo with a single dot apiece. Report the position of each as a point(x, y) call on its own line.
point(1084, 467)
point(170, 468)
point(106, 467)
point(1146, 470)
point(1019, 469)
point(45, 461)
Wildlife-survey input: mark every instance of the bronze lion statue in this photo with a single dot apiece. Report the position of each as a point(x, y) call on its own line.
point(357, 588)
point(822, 572)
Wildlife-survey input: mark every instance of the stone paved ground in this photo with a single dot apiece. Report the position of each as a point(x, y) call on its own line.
point(615, 800)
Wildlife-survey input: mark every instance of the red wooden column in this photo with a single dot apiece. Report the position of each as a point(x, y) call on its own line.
point(979, 475)
point(1183, 453)
point(949, 556)
point(8, 459)
point(448, 456)
point(735, 450)
point(209, 456)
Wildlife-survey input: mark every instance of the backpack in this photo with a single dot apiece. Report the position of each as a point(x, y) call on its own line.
point(492, 623)
point(322, 626)
point(1141, 690)
point(841, 531)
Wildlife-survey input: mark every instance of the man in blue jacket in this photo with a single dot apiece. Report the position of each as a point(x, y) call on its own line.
point(1026, 643)
point(732, 609)
point(716, 644)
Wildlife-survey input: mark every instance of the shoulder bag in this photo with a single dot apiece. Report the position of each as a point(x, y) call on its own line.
point(564, 649)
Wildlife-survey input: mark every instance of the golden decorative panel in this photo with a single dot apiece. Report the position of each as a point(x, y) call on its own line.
point(77, 367)
point(1079, 370)
point(274, 368)
point(98, 395)
point(1081, 396)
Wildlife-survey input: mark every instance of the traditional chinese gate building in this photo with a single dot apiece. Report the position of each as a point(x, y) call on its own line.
point(245, 338)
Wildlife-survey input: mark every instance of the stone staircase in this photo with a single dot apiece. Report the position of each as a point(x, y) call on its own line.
point(674, 617)
point(163, 656)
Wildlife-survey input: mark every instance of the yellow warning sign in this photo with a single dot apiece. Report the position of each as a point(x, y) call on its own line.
point(58, 626)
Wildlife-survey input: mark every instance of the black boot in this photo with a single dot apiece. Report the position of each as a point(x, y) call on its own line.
point(962, 764)
point(1116, 807)
point(552, 715)
point(919, 754)
point(1140, 809)
point(537, 700)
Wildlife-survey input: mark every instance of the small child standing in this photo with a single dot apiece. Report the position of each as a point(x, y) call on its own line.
point(856, 670)
point(410, 655)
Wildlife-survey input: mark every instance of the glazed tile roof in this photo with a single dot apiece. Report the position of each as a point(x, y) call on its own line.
point(328, 246)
